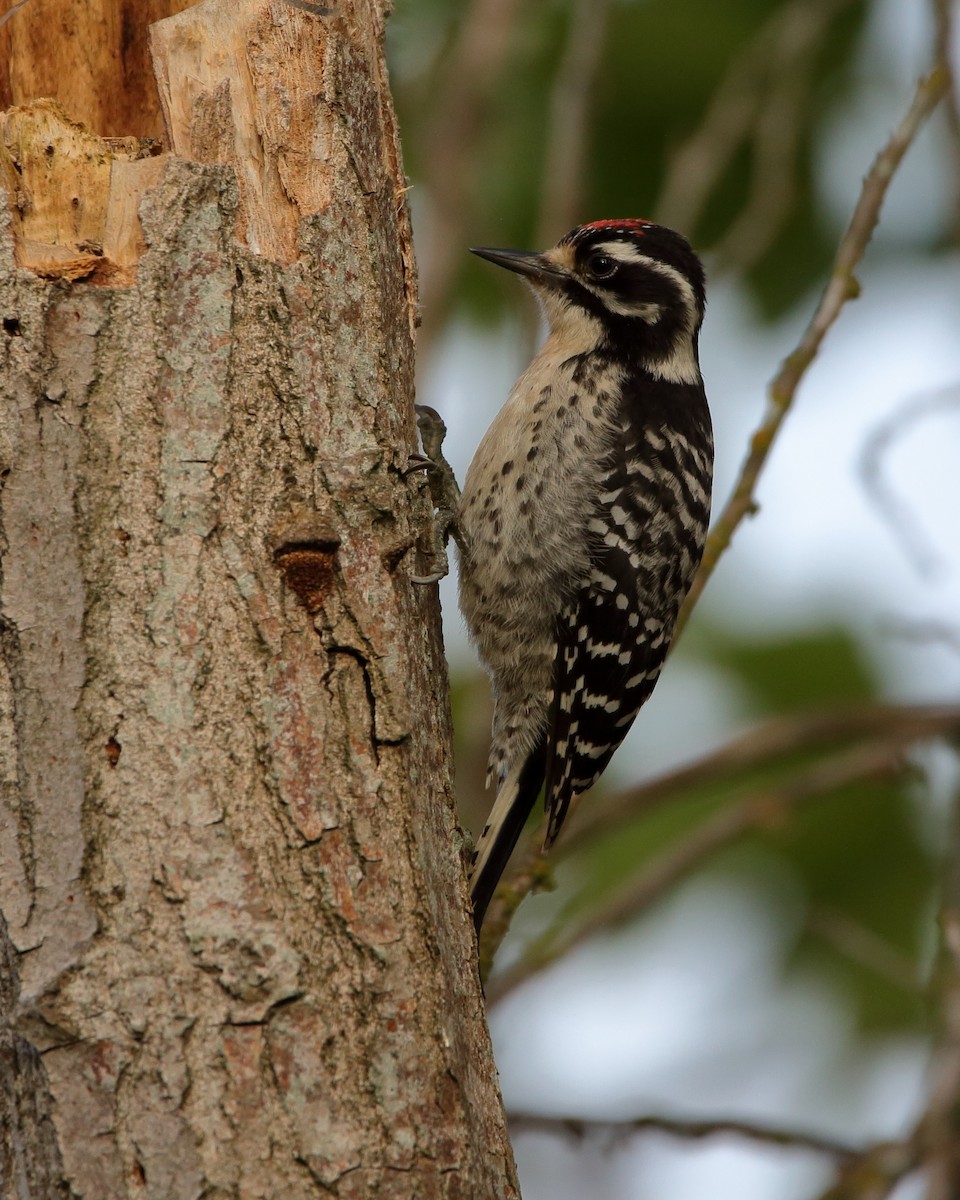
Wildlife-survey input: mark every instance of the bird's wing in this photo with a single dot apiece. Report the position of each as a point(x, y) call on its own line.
point(647, 537)
point(609, 657)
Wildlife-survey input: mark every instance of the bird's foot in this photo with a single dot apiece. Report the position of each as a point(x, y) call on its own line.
point(444, 490)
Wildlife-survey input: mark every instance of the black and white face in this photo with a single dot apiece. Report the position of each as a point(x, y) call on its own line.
point(630, 286)
point(633, 269)
point(630, 283)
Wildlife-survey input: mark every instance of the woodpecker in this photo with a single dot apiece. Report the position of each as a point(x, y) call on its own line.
point(584, 515)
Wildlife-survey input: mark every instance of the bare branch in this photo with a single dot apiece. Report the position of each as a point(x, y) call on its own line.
point(891, 508)
point(944, 17)
point(569, 112)
point(737, 105)
point(756, 750)
point(861, 945)
point(877, 1173)
point(940, 633)
point(940, 1124)
point(698, 163)
point(841, 287)
point(473, 67)
point(770, 807)
point(864, 1173)
point(578, 1127)
point(776, 135)
point(869, 1173)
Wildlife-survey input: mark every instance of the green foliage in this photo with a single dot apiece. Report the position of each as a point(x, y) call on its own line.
point(662, 64)
point(801, 670)
point(858, 858)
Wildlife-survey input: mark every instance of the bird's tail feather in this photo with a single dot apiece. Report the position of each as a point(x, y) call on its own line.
point(513, 804)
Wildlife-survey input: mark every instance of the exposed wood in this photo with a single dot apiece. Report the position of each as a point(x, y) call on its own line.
point(123, 240)
point(223, 101)
point(89, 55)
point(63, 192)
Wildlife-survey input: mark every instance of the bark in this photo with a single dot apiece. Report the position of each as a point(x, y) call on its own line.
point(237, 959)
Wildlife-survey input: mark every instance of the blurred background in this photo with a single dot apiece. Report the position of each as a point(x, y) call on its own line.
point(775, 957)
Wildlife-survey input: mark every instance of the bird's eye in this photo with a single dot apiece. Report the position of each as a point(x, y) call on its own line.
point(601, 266)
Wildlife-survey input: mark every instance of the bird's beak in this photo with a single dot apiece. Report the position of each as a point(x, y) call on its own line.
point(537, 267)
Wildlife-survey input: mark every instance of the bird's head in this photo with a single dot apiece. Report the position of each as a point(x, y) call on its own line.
point(628, 283)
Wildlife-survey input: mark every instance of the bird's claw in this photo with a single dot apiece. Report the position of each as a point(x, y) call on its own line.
point(417, 462)
point(435, 577)
point(444, 490)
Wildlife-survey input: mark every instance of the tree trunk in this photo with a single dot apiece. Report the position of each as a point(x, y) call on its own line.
point(236, 955)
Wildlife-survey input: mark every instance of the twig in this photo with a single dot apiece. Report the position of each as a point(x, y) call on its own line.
point(877, 1172)
point(568, 113)
point(578, 1127)
point(889, 506)
point(761, 810)
point(775, 137)
point(472, 70)
point(940, 633)
point(697, 164)
point(756, 750)
point(734, 109)
point(10, 11)
point(943, 16)
point(841, 287)
point(940, 1124)
point(534, 874)
point(861, 945)
point(934, 1143)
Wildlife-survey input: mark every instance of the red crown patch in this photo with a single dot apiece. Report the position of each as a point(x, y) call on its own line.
point(632, 224)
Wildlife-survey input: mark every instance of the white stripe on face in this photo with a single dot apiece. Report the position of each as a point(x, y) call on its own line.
point(679, 366)
point(624, 252)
